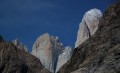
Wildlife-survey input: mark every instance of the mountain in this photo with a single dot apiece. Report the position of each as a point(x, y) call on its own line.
point(88, 26)
point(51, 52)
point(64, 57)
point(15, 60)
point(19, 45)
point(101, 52)
point(47, 48)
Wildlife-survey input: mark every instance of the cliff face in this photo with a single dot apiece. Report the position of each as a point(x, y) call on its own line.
point(47, 48)
point(88, 26)
point(51, 52)
point(64, 57)
point(14, 60)
point(101, 52)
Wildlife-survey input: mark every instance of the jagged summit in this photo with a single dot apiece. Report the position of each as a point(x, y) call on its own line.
point(19, 45)
point(45, 40)
point(94, 12)
point(88, 26)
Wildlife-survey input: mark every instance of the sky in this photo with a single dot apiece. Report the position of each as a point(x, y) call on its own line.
point(28, 19)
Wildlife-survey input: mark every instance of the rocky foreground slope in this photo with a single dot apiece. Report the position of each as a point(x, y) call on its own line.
point(101, 52)
point(14, 60)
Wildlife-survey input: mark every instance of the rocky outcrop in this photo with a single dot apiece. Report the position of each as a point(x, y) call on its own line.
point(47, 48)
point(88, 26)
point(64, 57)
point(15, 60)
point(101, 52)
point(19, 45)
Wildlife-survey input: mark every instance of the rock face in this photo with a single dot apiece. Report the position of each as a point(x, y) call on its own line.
point(47, 48)
point(19, 45)
point(101, 52)
point(88, 26)
point(14, 60)
point(64, 57)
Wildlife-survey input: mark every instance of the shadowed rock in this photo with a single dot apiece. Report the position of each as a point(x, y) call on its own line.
point(14, 60)
point(1, 38)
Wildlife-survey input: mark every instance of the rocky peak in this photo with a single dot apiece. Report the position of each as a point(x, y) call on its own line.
point(64, 57)
point(88, 26)
point(47, 48)
point(91, 19)
point(46, 41)
point(19, 45)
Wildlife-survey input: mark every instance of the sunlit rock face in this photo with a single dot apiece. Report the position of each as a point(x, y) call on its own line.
point(64, 57)
point(88, 26)
point(47, 48)
point(19, 45)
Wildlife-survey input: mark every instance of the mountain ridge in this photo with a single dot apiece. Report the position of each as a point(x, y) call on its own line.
point(101, 52)
point(15, 60)
point(98, 53)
